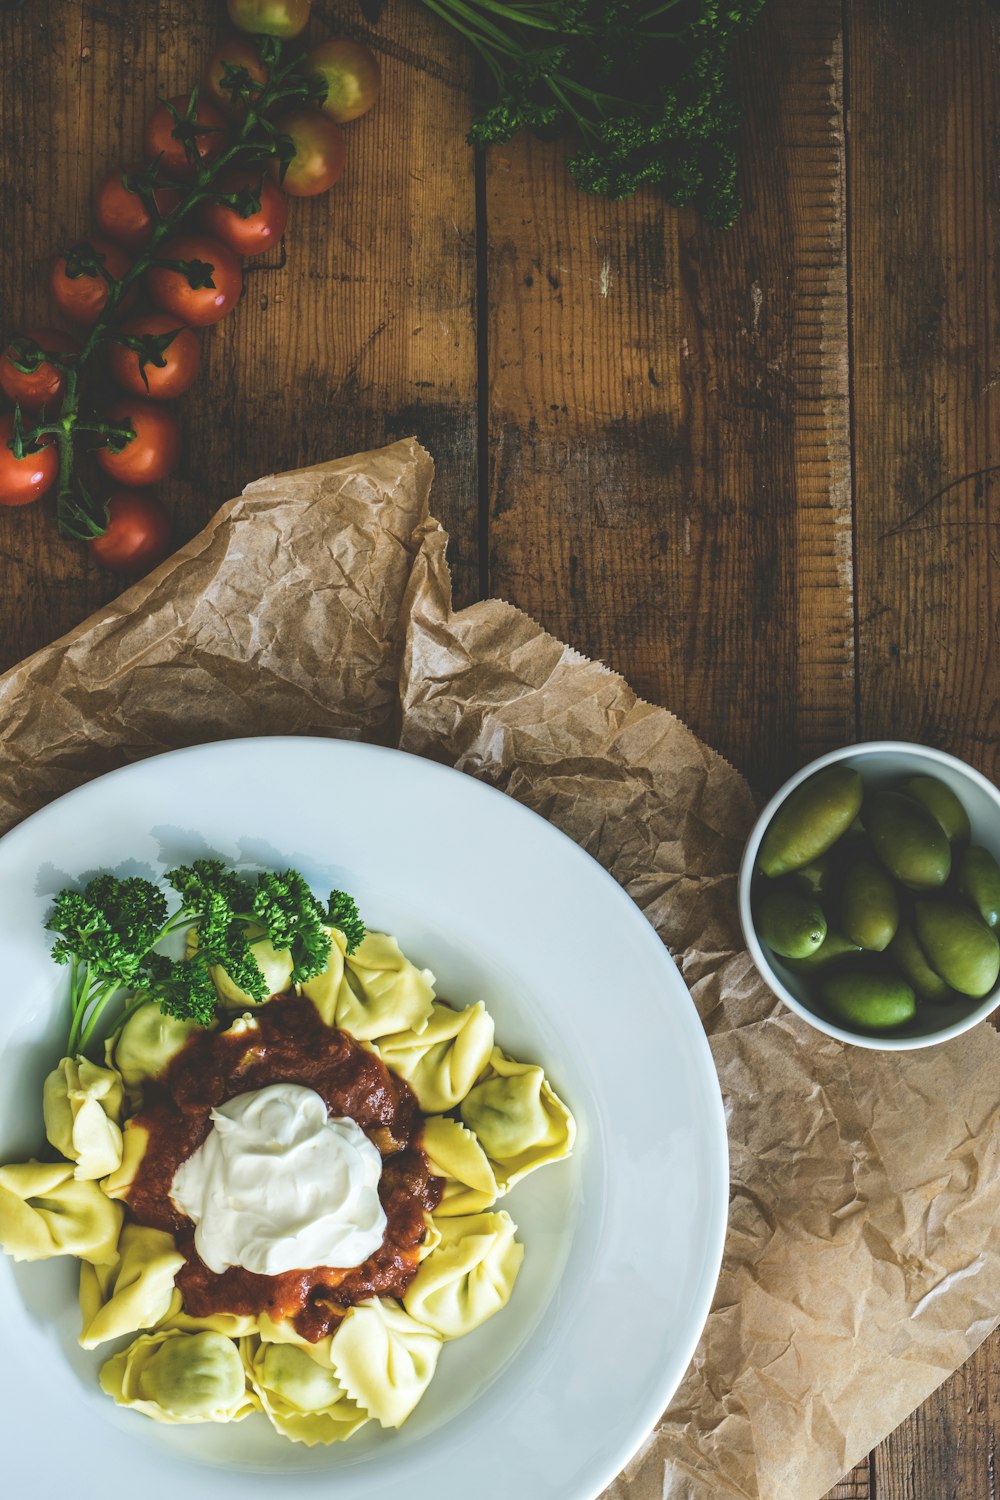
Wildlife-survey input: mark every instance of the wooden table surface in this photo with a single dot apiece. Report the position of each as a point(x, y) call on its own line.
point(753, 471)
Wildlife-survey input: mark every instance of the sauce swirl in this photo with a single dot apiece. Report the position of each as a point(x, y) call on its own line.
point(288, 1044)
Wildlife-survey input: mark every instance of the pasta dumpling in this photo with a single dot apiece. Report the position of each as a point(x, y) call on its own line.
point(45, 1211)
point(469, 1277)
point(147, 1043)
point(384, 1359)
point(275, 964)
point(443, 1061)
point(302, 1398)
point(375, 991)
point(180, 1377)
point(454, 1154)
point(135, 1293)
point(232, 1325)
point(82, 1107)
point(519, 1121)
point(135, 1139)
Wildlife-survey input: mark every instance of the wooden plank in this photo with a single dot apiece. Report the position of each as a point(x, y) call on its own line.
point(367, 334)
point(925, 129)
point(948, 1449)
point(669, 428)
point(855, 1486)
point(924, 154)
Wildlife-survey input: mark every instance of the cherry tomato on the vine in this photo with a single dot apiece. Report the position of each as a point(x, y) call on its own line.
point(138, 534)
point(83, 298)
point(281, 18)
point(261, 230)
point(24, 479)
point(237, 53)
point(199, 306)
point(169, 132)
point(320, 151)
point(44, 386)
point(154, 451)
point(352, 76)
point(181, 358)
point(121, 213)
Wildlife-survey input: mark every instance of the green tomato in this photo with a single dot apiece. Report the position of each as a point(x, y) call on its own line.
point(351, 74)
point(280, 18)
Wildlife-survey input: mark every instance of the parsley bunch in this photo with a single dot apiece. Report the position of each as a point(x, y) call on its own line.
point(108, 933)
point(645, 83)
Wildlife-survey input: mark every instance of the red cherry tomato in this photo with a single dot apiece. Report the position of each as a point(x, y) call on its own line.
point(168, 135)
point(44, 386)
point(163, 382)
point(121, 213)
point(352, 76)
point(261, 230)
point(282, 18)
point(153, 452)
point(138, 534)
point(24, 479)
point(236, 53)
point(320, 151)
point(199, 306)
point(83, 298)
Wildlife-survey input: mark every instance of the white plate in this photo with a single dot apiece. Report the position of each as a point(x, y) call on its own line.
point(623, 1243)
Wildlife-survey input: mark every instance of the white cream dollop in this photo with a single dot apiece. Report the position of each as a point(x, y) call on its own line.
point(280, 1186)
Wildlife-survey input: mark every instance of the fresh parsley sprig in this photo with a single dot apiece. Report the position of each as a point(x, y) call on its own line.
point(109, 932)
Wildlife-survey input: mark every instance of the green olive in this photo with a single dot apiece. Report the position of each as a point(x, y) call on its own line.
point(833, 946)
point(869, 906)
point(816, 878)
point(958, 944)
point(910, 843)
point(789, 922)
point(942, 804)
point(911, 960)
point(875, 1002)
point(810, 820)
point(979, 882)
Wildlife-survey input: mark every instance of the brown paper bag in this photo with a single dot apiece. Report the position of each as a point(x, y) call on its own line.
point(862, 1263)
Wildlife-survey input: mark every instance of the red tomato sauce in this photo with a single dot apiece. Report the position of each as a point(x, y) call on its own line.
point(290, 1044)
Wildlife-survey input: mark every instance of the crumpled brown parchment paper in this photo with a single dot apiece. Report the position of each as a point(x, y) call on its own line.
point(862, 1263)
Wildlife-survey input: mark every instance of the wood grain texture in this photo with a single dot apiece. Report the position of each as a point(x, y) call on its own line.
point(925, 159)
point(368, 333)
point(854, 1486)
point(669, 427)
point(924, 155)
point(948, 1449)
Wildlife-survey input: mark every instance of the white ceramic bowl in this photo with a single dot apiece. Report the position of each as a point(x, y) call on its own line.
point(881, 763)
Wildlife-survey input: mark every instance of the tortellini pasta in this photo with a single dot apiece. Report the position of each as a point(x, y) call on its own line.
point(181, 1377)
point(146, 1045)
point(82, 1108)
point(468, 1277)
point(45, 1210)
point(442, 1062)
point(518, 1120)
point(488, 1121)
point(275, 964)
point(373, 992)
point(232, 1325)
point(136, 1293)
point(302, 1397)
point(135, 1139)
point(455, 1155)
point(384, 1359)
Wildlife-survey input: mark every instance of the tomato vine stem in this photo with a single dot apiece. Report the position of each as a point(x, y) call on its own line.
point(255, 141)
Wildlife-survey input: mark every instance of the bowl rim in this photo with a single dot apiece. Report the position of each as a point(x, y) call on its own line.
point(756, 949)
